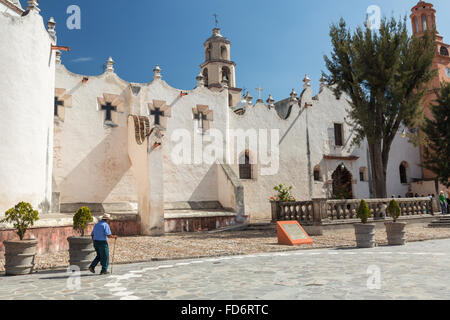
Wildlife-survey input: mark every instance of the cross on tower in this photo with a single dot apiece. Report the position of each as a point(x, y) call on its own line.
point(158, 114)
point(58, 103)
point(200, 116)
point(108, 108)
point(217, 21)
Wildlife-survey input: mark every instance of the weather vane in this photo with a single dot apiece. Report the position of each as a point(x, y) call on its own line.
point(217, 21)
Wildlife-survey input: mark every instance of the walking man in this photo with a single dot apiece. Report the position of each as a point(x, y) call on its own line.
point(100, 236)
point(443, 201)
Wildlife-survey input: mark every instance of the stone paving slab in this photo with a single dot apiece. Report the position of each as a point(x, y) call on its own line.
point(415, 271)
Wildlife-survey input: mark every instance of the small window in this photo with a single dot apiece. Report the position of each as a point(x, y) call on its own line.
point(338, 135)
point(444, 51)
point(223, 53)
point(317, 174)
point(363, 174)
point(245, 168)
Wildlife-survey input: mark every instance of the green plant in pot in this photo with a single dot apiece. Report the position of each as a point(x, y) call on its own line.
point(364, 231)
point(19, 255)
point(81, 248)
point(395, 230)
point(284, 195)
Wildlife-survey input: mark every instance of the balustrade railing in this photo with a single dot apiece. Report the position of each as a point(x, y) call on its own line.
point(316, 211)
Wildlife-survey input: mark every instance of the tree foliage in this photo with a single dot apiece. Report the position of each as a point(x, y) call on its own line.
point(393, 210)
point(81, 220)
point(384, 75)
point(437, 131)
point(364, 211)
point(22, 216)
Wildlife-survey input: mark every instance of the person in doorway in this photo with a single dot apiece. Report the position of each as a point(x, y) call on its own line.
point(443, 202)
point(100, 236)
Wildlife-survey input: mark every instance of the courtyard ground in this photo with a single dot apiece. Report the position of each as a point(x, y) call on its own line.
point(198, 245)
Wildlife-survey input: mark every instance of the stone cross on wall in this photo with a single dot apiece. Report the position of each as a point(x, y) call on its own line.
point(160, 112)
point(61, 102)
point(203, 115)
point(112, 105)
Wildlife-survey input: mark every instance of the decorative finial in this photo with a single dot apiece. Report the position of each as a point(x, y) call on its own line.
point(51, 24)
point(270, 101)
point(323, 81)
point(248, 98)
point(306, 81)
point(58, 57)
point(157, 73)
point(110, 65)
point(293, 95)
point(33, 5)
point(200, 80)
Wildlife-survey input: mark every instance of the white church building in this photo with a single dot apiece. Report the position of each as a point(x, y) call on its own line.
point(68, 139)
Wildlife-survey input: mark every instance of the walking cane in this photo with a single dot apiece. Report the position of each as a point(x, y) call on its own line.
point(114, 253)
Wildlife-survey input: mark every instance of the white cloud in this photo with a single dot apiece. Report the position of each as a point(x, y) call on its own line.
point(82, 59)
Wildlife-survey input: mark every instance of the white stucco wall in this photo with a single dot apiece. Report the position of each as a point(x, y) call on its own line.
point(91, 159)
point(26, 125)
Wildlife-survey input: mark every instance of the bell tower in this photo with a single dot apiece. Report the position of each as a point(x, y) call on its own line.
point(423, 17)
point(218, 68)
point(218, 71)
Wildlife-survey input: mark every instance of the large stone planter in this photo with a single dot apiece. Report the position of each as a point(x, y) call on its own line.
point(396, 233)
point(81, 251)
point(276, 210)
point(19, 257)
point(365, 235)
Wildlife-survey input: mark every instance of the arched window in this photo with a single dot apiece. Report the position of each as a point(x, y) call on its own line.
point(424, 23)
point(208, 52)
point(444, 51)
point(226, 75)
point(245, 167)
point(403, 172)
point(416, 25)
point(224, 53)
point(205, 76)
point(317, 173)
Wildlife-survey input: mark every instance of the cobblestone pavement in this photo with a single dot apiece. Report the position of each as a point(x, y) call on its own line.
point(415, 271)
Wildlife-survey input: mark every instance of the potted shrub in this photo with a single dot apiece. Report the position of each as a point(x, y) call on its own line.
point(19, 255)
point(284, 195)
point(395, 230)
point(364, 232)
point(81, 248)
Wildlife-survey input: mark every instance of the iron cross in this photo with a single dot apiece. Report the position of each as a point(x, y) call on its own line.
point(158, 114)
point(108, 108)
point(217, 21)
point(58, 103)
point(200, 117)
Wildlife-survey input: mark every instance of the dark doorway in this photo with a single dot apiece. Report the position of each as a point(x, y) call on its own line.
point(342, 183)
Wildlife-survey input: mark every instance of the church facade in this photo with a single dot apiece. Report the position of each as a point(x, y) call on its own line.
point(170, 153)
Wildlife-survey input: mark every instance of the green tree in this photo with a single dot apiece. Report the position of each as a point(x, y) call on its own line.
point(437, 137)
point(22, 216)
point(384, 75)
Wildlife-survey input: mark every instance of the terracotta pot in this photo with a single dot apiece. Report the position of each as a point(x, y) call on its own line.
point(81, 251)
point(19, 257)
point(396, 233)
point(365, 235)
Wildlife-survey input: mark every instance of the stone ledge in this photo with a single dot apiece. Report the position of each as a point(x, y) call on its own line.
point(183, 214)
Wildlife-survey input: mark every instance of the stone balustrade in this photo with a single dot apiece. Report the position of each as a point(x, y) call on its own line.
point(319, 211)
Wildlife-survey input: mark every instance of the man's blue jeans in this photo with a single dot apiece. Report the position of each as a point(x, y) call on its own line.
point(444, 208)
point(102, 249)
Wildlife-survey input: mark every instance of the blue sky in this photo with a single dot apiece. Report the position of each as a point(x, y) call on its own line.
point(274, 43)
